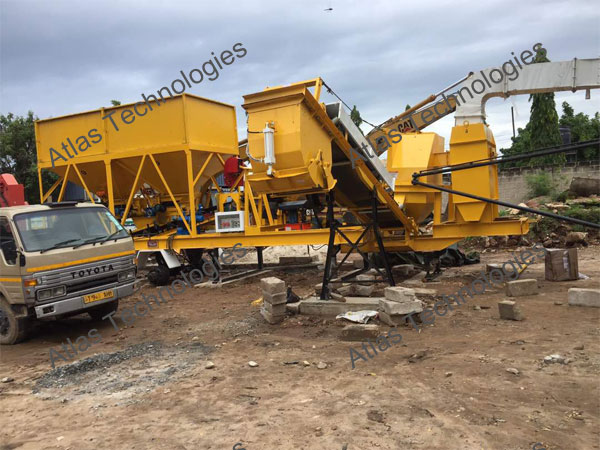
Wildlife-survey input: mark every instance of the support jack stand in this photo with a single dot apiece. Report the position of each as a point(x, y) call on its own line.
point(336, 228)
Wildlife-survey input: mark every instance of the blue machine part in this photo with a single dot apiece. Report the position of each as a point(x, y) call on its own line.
point(181, 229)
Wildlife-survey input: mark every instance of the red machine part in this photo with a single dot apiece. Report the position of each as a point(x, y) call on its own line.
point(11, 192)
point(231, 171)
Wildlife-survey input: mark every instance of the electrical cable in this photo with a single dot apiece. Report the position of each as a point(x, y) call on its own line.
point(332, 92)
point(494, 161)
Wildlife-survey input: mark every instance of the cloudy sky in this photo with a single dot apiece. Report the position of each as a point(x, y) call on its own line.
point(60, 57)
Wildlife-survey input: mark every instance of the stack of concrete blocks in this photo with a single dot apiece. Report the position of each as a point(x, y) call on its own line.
point(274, 295)
point(398, 302)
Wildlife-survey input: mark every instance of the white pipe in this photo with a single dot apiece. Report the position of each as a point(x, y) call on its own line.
point(574, 75)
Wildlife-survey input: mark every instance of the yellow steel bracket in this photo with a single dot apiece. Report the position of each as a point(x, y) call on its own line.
point(316, 82)
point(133, 190)
point(51, 190)
point(162, 178)
point(64, 185)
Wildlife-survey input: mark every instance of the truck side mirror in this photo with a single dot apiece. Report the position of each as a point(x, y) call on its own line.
point(22, 260)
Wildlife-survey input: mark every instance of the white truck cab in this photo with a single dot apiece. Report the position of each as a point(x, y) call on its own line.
point(60, 259)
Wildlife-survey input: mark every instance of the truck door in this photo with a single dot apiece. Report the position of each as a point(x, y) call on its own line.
point(10, 271)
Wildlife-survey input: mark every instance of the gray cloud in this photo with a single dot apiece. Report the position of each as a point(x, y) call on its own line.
point(63, 57)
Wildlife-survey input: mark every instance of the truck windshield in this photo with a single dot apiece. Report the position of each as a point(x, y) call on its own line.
point(67, 227)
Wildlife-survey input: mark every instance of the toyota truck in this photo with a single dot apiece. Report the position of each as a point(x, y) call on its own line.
point(58, 260)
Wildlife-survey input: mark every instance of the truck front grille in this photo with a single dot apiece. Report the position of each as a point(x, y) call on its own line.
point(89, 284)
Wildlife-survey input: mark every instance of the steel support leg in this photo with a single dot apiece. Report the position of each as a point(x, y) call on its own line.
point(259, 256)
point(331, 253)
point(386, 264)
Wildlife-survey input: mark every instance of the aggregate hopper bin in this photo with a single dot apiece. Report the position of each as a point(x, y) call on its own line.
point(171, 150)
point(299, 160)
point(415, 152)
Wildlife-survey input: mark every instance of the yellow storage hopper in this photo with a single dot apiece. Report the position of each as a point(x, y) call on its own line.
point(302, 145)
point(174, 148)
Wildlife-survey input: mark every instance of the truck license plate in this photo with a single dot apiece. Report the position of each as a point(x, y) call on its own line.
point(98, 296)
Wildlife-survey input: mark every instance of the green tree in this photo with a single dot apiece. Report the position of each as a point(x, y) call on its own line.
point(541, 131)
point(355, 116)
point(520, 144)
point(18, 154)
point(582, 129)
point(543, 122)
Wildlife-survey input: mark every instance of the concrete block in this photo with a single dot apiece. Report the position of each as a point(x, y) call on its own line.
point(490, 267)
point(396, 308)
point(336, 296)
point(316, 307)
point(509, 310)
point(275, 299)
point(335, 285)
point(346, 290)
point(400, 294)
point(392, 321)
point(365, 277)
point(403, 269)
point(396, 321)
point(283, 260)
point(359, 332)
point(364, 291)
point(272, 285)
point(584, 297)
point(275, 310)
point(289, 260)
point(521, 288)
point(424, 291)
point(293, 308)
point(270, 317)
point(358, 263)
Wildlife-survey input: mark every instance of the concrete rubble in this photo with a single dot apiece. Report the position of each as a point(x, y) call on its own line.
point(398, 302)
point(316, 307)
point(400, 294)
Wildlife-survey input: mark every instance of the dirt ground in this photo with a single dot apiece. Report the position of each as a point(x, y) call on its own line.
point(447, 387)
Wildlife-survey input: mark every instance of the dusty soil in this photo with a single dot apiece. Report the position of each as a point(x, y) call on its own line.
point(146, 386)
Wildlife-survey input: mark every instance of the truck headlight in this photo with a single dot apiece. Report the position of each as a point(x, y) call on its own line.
point(127, 275)
point(45, 294)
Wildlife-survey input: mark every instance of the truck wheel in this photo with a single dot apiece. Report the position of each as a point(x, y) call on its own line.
point(159, 276)
point(12, 329)
point(98, 312)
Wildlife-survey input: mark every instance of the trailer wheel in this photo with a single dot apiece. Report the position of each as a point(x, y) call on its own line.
point(98, 312)
point(159, 276)
point(13, 329)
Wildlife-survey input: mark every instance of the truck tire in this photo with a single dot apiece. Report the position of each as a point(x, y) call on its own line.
point(13, 329)
point(159, 275)
point(98, 312)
